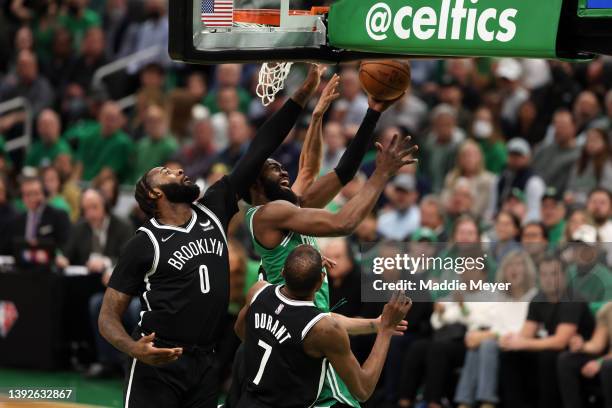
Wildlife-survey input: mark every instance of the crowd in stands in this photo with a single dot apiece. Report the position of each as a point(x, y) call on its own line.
point(515, 157)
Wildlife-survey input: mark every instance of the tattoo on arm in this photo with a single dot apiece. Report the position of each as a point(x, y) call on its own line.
point(110, 321)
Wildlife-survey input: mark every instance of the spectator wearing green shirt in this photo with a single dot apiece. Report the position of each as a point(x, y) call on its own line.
point(227, 75)
point(44, 151)
point(158, 146)
point(588, 273)
point(78, 19)
point(553, 215)
point(486, 134)
point(107, 146)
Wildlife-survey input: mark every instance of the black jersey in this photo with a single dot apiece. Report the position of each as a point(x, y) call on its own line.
point(182, 273)
point(279, 372)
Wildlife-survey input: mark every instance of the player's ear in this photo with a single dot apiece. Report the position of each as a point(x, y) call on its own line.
point(155, 193)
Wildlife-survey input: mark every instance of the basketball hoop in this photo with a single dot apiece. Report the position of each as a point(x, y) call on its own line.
point(272, 76)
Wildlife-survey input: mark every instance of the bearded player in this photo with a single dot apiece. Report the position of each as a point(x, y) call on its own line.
point(178, 264)
point(280, 220)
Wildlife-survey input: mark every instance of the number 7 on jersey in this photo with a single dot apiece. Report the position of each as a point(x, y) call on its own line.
point(264, 360)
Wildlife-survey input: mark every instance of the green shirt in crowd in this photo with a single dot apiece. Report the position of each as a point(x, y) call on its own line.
point(41, 154)
point(595, 285)
point(495, 155)
point(244, 100)
point(79, 26)
point(96, 152)
point(555, 233)
point(152, 153)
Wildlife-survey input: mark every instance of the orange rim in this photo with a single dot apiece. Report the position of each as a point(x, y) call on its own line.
point(271, 17)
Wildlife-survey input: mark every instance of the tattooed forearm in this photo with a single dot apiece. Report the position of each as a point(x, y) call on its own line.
point(110, 321)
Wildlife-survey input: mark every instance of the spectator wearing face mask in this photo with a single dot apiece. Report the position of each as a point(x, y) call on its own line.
point(486, 134)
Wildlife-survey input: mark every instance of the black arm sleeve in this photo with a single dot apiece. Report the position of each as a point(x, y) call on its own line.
point(269, 136)
point(352, 157)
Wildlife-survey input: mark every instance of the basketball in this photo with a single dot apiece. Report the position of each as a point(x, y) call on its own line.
point(385, 80)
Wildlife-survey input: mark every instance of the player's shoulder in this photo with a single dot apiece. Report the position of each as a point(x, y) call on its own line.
point(277, 208)
point(221, 187)
point(326, 335)
point(326, 329)
point(255, 290)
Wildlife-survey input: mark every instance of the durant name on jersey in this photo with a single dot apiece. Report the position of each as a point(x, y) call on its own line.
point(266, 322)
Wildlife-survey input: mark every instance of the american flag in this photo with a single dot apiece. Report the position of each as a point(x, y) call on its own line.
point(218, 13)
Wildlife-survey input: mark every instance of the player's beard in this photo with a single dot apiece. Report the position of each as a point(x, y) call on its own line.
point(275, 192)
point(180, 193)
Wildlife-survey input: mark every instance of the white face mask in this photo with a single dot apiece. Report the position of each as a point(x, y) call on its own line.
point(482, 129)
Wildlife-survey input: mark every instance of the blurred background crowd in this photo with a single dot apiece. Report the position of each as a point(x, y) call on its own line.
point(512, 152)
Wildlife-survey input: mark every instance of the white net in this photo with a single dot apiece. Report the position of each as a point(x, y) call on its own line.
point(272, 80)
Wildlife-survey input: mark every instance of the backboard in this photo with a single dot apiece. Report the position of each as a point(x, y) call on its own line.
point(217, 31)
point(253, 30)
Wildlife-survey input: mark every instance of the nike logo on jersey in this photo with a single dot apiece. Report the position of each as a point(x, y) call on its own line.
point(206, 226)
point(167, 238)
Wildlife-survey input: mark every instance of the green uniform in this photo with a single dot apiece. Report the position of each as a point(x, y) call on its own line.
point(272, 261)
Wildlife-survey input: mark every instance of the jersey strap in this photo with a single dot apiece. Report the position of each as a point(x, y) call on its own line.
point(311, 323)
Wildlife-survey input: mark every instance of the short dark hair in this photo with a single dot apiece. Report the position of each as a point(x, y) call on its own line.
point(303, 268)
point(553, 257)
point(601, 190)
point(538, 224)
point(144, 200)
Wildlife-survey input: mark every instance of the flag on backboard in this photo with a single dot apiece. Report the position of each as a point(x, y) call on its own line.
point(218, 13)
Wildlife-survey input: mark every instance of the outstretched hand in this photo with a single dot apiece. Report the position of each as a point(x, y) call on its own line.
point(330, 93)
point(146, 352)
point(394, 312)
point(310, 84)
point(398, 154)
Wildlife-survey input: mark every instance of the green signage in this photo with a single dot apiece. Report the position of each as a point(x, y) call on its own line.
point(520, 28)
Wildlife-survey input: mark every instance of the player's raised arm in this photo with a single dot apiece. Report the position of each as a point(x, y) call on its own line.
point(282, 215)
point(329, 339)
point(272, 133)
point(312, 149)
point(322, 191)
